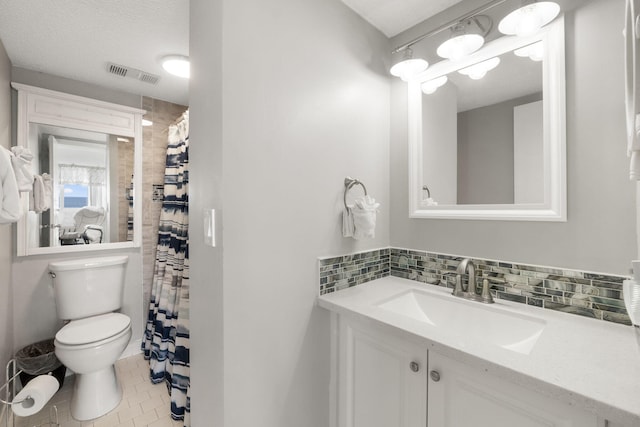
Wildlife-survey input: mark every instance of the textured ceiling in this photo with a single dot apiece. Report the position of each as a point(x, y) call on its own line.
point(76, 39)
point(394, 16)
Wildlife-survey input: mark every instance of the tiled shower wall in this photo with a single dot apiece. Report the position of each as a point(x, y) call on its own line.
point(154, 149)
point(587, 294)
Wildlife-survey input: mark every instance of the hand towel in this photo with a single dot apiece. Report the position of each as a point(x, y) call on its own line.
point(631, 296)
point(9, 195)
point(47, 194)
point(364, 217)
point(36, 197)
point(21, 162)
point(347, 223)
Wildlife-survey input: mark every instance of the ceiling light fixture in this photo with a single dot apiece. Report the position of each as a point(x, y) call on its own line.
point(177, 65)
point(529, 18)
point(430, 86)
point(479, 70)
point(407, 66)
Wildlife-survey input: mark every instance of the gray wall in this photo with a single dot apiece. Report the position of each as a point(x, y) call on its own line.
point(485, 152)
point(6, 236)
point(305, 94)
point(600, 232)
point(34, 315)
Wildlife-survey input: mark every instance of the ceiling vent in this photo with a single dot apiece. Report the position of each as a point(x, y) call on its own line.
point(124, 71)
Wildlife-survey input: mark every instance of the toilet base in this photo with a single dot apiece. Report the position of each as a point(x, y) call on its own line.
point(95, 394)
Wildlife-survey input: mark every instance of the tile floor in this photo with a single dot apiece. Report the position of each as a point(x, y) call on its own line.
point(143, 403)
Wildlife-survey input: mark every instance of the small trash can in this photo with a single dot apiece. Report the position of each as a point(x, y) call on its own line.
point(39, 359)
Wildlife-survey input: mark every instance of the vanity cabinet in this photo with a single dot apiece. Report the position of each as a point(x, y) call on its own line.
point(460, 395)
point(386, 377)
point(382, 378)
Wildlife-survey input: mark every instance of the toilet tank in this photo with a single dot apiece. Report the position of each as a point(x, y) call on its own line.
point(88, 287)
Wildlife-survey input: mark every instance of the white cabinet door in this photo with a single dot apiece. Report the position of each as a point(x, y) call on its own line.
point(381, 378)
point(466, 397)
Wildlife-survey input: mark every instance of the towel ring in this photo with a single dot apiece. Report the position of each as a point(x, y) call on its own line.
point(348, 183)
point(425, 188)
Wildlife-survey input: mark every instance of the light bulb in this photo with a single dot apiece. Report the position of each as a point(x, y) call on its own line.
point(534, 51)
point(479, 70)
point(529, 18)
point(460, 46)
point(407, 67)
point(430, 86)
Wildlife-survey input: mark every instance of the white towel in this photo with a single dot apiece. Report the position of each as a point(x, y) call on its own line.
point(9, 195)
point(631, 296)
point(347, 223)
point(21, 162)
point(38, 198)
point(47, 195)
point(364, 217)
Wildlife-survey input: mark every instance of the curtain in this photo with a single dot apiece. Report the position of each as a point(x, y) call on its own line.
point(95, 178)
point(129, 197)
point(166, 338)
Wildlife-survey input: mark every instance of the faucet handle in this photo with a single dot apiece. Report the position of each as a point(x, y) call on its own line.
point(458, 291)
point(486, 293)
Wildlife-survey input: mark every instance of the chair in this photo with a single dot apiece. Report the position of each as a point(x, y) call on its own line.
point(87, 229)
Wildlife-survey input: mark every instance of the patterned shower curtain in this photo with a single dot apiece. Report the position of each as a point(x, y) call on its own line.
point(166, 338)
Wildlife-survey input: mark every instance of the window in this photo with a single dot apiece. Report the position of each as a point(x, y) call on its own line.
point(75, 195)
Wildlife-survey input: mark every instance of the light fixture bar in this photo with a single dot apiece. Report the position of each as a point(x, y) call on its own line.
point(449, 24)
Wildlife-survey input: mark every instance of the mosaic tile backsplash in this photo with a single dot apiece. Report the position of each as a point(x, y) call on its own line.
point(350, 270)
point(587, 294)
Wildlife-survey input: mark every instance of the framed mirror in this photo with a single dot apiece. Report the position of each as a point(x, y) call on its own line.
point(88, 154)
point(487, 136)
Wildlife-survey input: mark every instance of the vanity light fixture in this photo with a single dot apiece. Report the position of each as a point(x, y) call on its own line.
point(430, 86)
point(535, 52)
point(479, 70)
point(529, 18)
point(463, 42)
point(177, 65)
point(408, 66)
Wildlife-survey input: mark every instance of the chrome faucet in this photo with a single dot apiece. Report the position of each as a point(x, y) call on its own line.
point(471, 290)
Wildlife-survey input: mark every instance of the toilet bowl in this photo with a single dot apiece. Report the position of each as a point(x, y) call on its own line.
point(88, 294)
point(90, 347)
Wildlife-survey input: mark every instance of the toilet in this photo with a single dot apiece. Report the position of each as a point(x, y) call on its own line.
point(88, 292)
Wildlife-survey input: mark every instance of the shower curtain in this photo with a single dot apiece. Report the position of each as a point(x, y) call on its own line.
point(166, 338)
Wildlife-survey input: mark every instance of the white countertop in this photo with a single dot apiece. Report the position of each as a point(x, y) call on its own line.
point(592, 364)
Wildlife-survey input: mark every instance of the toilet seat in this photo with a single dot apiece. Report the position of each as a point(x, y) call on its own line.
point(93, 329)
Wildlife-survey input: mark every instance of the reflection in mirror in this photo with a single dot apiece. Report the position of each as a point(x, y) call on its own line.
point(87, 155)
point(487, 132)
point(483, 133)
point(91, 180)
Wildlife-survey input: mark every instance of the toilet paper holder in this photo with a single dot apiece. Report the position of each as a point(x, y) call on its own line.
point(10, 386)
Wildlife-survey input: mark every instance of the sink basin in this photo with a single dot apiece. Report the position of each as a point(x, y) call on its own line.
point(469, 321)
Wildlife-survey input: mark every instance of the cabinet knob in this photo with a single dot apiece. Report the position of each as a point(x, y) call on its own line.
point(414, 366)
point(435, 376)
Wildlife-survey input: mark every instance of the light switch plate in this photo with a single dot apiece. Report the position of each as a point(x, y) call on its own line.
point(210, 227)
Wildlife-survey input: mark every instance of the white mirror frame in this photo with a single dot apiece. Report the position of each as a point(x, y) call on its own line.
point(554, 207)
point(43, 106)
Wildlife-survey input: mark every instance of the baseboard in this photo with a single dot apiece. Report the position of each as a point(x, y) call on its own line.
point(134, 347)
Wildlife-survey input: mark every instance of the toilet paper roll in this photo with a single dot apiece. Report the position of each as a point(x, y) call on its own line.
point(34, 395)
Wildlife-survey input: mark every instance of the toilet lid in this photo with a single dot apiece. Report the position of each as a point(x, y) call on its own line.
point(93, 329)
